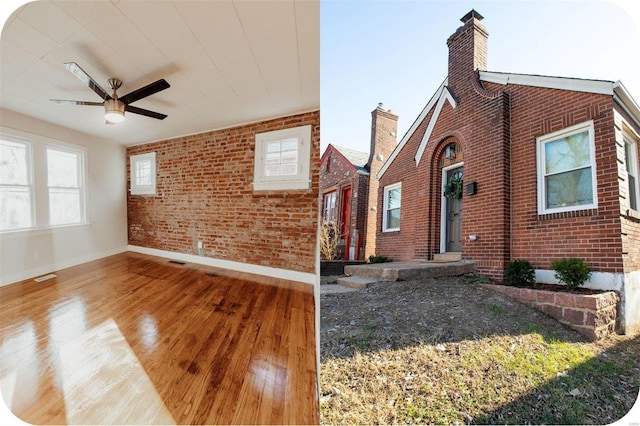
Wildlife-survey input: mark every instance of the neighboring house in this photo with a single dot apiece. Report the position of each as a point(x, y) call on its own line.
point(549, 168)
point(345, 187)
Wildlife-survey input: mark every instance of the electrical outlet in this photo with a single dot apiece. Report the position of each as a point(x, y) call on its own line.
point(199, 244)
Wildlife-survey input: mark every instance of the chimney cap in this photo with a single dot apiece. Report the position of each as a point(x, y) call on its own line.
point(380, 105)
point(472, 14)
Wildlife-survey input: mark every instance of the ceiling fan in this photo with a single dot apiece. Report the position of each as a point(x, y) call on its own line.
point(114, 106)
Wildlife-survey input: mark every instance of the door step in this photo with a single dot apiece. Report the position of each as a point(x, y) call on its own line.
point(356, 282)
point(447, 257)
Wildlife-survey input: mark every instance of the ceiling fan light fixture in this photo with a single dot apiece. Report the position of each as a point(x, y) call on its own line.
point(114, 110)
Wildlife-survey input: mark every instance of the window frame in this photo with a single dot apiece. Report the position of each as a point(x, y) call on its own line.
point(541, 141)
point(302, 179)
point(385, 209)
point(631, 143)
point(30, 182)
point(327, 209)
point(136, 189)
point(80, 164)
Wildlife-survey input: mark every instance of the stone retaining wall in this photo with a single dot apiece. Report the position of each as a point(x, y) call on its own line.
point(593, 315)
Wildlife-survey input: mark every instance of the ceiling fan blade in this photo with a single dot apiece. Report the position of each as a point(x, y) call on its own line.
point(145, 112)
point(86, 79)
point(61, 101)
point(145, 91)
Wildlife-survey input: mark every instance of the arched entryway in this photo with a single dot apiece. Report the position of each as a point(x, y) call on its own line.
point(452, 169)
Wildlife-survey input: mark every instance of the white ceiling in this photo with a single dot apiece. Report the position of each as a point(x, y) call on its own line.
point(228, 62)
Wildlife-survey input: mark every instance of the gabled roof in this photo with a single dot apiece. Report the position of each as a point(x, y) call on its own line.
point(357, 159)
point(620, 95)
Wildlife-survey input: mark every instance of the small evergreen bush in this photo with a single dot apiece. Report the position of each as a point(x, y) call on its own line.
point(379, 259)
point(519, 273)
point(573, 272)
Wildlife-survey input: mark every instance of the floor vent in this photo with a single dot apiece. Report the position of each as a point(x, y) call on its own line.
point(212, 274)
point(177, 262)
point(45, 277)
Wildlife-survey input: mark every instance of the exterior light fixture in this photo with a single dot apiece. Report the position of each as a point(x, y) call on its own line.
point(450, 152)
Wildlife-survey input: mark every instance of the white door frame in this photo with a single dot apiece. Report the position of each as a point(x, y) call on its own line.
point(443, 206)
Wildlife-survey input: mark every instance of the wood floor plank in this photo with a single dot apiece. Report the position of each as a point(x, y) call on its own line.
point(158, 343)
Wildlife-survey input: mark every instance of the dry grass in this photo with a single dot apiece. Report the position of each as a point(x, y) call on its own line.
point(447, 351)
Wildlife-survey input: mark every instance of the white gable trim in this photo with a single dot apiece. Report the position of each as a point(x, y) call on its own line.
point(624, 99)
point(414, 126)
point(562, 83)
point(445, 95)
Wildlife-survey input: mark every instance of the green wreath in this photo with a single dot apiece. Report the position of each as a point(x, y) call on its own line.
point(453, 188)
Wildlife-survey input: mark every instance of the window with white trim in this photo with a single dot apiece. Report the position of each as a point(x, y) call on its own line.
point(329, 207)
point(282, 159)
point(391, 211)
point(142, 170)
point(65, 167)
point(631, 156)
point(16, 185)
point(567, 170)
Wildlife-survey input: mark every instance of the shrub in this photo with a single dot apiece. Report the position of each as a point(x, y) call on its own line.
point(573, 272)
point(379, 259)
point(329, 239)
point(519, 273)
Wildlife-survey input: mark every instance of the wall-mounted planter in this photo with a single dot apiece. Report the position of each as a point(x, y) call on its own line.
point(593, 315)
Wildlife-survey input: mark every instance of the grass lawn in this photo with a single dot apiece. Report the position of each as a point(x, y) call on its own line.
point(448, 351)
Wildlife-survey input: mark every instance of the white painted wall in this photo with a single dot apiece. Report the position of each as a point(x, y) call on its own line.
point(59, 248)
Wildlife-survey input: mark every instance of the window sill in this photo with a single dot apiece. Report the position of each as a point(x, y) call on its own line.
point(391, 230)
point(568, 214)
point(633, 214)
point(43, 230)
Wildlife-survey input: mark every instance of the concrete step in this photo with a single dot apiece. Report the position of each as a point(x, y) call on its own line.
point(356, 282)
point(447, 257)
point(409, 270)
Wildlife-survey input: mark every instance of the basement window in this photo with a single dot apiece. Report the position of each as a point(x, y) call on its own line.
point(282, 159)
point(143, 174)
point(567, 170)
point(391, 213)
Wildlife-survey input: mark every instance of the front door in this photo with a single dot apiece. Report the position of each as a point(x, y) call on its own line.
point(453, 216)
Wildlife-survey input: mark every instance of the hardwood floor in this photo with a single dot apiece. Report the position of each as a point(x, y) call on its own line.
point(133, 339)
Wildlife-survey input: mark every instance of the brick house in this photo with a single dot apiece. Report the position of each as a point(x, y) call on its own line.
point(346, 190)
point(549, 169)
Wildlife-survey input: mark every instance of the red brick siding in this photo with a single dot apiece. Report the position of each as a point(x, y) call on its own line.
point(590, 235)
point(342, 174)
point(205, 192)
point(384, 126)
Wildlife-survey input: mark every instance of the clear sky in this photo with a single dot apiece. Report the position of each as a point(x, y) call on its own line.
point(395, 52)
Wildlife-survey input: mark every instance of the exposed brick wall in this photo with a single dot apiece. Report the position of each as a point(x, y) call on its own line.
point(384, 127)
point(336, 174)
point(205, 192)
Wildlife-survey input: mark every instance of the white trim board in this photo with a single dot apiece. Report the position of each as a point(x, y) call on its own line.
point(445, 95)
point(303, 277)
point(598, 280)
point(562, 83)
point(36, 272)
point(414, 126)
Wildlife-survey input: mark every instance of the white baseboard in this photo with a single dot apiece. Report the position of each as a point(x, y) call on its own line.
point(36, 272)
point(598, 280)
point(304, 277)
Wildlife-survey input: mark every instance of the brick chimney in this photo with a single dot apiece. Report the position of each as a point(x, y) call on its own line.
point(467, 51)
point(384, 127)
